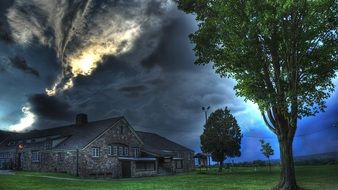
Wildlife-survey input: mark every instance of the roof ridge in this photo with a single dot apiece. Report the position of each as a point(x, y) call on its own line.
point(147, 132)
point(71, 125)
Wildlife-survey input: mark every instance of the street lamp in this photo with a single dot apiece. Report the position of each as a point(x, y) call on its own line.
point(20, 154)
point(205, 109)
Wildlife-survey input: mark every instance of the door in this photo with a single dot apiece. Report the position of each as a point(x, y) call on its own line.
point(126, 169)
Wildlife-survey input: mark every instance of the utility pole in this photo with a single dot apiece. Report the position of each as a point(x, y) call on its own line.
point(205, 109)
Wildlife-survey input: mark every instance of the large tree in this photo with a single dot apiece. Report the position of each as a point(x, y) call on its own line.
point(283, 55)
point(267, 151)
point(221, 136)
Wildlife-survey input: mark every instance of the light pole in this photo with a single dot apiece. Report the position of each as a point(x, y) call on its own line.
point(205, 109)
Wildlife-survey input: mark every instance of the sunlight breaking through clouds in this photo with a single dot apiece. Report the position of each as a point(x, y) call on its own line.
point(85, 60)
point(25, 122)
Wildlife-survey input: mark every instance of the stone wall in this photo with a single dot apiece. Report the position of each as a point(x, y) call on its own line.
point(7, 160)
point(107, 164)
point(51, 161)
point(187, 161)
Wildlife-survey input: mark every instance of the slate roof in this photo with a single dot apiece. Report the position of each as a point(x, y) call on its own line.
point(154, 143)
point(76, 136)
point(4, 135)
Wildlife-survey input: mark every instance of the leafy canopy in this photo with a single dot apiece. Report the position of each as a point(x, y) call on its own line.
point(222, 135)
point(283, 54)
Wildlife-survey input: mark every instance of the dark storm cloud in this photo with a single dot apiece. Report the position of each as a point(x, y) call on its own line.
point(319, 128)
point(20, 63)
point(50, 107)
point(133, 91)
point(2, 69)
point(167, 54)
point(4, 34)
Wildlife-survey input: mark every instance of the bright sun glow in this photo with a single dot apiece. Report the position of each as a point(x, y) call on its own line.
point(25, 122)
point(84, 64)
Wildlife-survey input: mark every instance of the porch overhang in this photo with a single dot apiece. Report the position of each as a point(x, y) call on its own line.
point(178, 159)
point(137, 159)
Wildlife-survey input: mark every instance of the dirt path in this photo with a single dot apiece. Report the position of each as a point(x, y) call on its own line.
point(63, 178)
point(7, 172)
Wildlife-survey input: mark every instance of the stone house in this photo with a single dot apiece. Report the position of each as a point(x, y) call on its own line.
point(106, 148)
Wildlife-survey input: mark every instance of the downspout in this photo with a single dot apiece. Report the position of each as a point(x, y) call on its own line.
point(77, 162)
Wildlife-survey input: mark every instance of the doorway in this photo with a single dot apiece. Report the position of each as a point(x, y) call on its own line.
point(126, 169)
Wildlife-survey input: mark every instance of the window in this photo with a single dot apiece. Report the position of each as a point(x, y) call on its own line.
point(120, 151)
point(126, 151)
point(180, 155)
point(136, 152)
point(96, 152)
point(145, 166)
point(5, 155)
point(115, 150)
point(36, 156)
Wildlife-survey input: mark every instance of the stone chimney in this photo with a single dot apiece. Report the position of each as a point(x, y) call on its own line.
point(81, 119)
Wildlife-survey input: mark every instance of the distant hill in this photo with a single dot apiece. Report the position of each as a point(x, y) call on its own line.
point(320, 156)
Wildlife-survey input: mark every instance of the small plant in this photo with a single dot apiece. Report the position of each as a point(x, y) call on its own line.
point(267, 151)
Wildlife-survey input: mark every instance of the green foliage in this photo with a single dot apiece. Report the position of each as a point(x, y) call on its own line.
point(266, 149)
point(283, 54)
point(222, 135)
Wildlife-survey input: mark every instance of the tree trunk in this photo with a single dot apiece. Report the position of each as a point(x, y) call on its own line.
point(269, 165)
point(220, 166)
point(287, 175)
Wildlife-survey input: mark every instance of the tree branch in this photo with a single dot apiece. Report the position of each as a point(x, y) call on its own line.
point(273, 129)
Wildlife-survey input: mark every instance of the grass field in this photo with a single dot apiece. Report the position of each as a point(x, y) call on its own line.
point(309, 177)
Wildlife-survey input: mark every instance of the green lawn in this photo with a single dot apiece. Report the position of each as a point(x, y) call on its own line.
point(309, 177)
